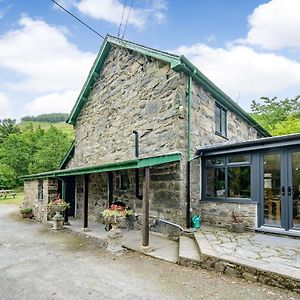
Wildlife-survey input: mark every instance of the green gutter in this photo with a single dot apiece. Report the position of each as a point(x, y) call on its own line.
point(117, 166)
point(189, 69)
point(189, 117)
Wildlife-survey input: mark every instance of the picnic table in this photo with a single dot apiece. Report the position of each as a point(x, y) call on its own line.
point(7, 193)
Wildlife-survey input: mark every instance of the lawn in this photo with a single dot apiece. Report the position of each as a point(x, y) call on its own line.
point(11, 200)
point(66, 128)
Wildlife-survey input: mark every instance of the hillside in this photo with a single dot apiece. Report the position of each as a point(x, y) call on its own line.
point(66, 128)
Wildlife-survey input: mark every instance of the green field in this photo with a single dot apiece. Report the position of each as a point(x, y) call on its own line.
point(66, 128)
point(11, 200)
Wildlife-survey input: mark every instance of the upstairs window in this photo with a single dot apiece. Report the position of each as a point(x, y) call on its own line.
point(220, 121)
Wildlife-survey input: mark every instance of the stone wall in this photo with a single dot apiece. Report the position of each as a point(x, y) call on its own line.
point(203, 134)
point(203, 123)
point(31, 200)
point(165, 193)
point(133, 93)
point(220, 213)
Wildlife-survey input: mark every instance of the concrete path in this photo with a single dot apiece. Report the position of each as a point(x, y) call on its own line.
point(36, 263)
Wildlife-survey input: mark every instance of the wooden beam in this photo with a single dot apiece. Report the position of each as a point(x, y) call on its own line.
point(85, 200)
point(145, 208)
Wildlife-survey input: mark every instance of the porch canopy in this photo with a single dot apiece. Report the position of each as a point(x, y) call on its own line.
point(116, 166)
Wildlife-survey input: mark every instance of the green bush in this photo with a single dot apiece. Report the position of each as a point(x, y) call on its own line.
point(26, 211)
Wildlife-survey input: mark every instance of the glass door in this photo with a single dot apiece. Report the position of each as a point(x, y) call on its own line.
point(294, 189)
point(272, 189)
point(280, 206)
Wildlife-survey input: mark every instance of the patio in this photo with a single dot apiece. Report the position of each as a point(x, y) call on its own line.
point(270, 259)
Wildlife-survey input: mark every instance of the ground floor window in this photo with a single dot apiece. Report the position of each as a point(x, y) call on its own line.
point(122, 181)
point(40, 190)
point(228, 177)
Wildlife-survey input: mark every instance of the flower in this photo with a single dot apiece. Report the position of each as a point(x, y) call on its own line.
point(116, 211)
point(58, 203)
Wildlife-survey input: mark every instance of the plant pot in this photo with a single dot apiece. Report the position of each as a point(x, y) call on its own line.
point(238, 227)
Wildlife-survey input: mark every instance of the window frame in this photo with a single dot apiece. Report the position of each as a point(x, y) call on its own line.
point(226, 166)
point(119, 181)
point(219, 119)
point(40, 190)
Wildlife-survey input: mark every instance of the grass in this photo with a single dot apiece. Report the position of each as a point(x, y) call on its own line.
point(11, 200)
point(66, 128)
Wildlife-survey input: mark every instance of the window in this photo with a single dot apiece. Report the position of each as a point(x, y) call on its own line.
point(40, 190)
point(228, 177)
point(122, 181)
point(220, 121)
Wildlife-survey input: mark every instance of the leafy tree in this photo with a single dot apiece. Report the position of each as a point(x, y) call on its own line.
point(51, 118)
point(17, 152)
point(273, 112)
point(7, 127)
point(290, 125)
point(34, 150)
point(7, 177)
point(52, 148)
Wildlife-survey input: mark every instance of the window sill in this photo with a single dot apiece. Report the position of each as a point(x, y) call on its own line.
point(230, 200)
point(221, 135)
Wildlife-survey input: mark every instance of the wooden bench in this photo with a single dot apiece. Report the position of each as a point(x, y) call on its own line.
point(7, 193)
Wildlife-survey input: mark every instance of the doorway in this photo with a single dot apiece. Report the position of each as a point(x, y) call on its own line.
point(280, 177)
point(70, 195)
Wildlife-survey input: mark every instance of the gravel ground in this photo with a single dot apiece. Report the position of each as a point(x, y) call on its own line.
point(36, 263)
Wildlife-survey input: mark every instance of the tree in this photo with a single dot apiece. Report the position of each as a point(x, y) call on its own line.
point(7, 127)
point(273, 112)
point(52, 148)
point(34, 150)
point(7, 177)
point(51, 118)
point(290, 125)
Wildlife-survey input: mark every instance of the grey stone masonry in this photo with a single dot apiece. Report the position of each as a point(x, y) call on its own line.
point(203, 122)
point(220, 214)
point(31, 199)
point(133, 93)
point(165, 193)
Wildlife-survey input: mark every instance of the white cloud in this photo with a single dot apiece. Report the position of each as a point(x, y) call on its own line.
point(112, 10)
point(51, 103)
point(43, 56)
point(240, 69)
point(4, 107)
point(275, 25)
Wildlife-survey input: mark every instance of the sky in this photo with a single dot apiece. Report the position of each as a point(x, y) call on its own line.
point(248, 48)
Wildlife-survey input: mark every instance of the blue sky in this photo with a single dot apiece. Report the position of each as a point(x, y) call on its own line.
point(249, 48)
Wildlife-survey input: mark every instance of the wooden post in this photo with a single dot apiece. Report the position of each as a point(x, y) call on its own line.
point(85, 201)
point(145, 208)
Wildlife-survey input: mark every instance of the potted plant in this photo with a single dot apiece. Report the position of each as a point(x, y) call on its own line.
point(58, 205)
point(115, 215)
point(26, 212)
point(238, 224)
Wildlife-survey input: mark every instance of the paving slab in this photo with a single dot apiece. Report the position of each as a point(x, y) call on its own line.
point(159, 247)
point(266, 255)
point(188, 250)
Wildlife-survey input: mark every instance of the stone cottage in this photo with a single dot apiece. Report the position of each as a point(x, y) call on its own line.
point(143, 108)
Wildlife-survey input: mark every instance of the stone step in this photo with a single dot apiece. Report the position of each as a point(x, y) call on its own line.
point(188, 252)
